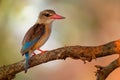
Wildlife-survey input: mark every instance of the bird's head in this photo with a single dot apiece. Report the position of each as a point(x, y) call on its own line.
point(48, 16)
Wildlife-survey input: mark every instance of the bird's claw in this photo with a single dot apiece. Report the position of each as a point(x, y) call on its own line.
point(41, 51)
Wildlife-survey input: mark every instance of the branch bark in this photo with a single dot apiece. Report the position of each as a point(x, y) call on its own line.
point(103, 72)
point(85, 53)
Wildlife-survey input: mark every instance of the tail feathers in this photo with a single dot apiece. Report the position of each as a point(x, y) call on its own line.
point(27, 62)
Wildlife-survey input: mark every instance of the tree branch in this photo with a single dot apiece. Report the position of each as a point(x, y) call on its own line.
point(85, 53)
point(103, 72)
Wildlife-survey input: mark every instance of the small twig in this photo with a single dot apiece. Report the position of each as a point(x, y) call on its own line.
point(103, 72)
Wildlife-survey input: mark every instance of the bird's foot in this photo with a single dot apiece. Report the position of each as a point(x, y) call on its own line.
point(33, 53)
point(41, 51)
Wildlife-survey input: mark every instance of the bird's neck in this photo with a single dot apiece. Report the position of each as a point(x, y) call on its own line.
point(44, 21)
point(48, 28)
point(48, 25)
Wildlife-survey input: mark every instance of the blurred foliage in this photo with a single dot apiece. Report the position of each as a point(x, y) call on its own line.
point(7, 41)
point(88, 19)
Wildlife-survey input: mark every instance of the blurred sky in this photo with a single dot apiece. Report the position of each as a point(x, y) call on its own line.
point(87, 23)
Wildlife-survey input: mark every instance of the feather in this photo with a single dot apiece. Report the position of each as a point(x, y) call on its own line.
point(27, 61)
point(32, 36)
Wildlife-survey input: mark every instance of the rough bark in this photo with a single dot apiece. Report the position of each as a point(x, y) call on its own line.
point(85, 53)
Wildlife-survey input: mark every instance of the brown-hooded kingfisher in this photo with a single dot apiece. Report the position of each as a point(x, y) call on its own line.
point(38, 34)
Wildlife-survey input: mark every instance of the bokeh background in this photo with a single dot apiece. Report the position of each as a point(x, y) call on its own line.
point(87, 23)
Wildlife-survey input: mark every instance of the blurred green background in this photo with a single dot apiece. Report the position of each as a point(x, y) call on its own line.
point(87, 23)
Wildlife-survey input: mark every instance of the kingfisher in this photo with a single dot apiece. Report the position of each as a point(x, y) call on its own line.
point(38, 34)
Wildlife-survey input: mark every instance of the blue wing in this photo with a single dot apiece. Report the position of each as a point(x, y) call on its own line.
point(28, 45)
point(32, 36)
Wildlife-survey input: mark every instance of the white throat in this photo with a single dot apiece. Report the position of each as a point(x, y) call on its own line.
point(45, 21)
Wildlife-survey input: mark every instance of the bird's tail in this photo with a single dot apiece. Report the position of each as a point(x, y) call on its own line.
point(27, 62)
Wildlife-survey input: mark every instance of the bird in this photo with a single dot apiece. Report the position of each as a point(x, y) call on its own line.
point(38, 34)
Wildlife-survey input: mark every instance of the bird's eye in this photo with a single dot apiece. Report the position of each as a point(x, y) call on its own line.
point(47, 15)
